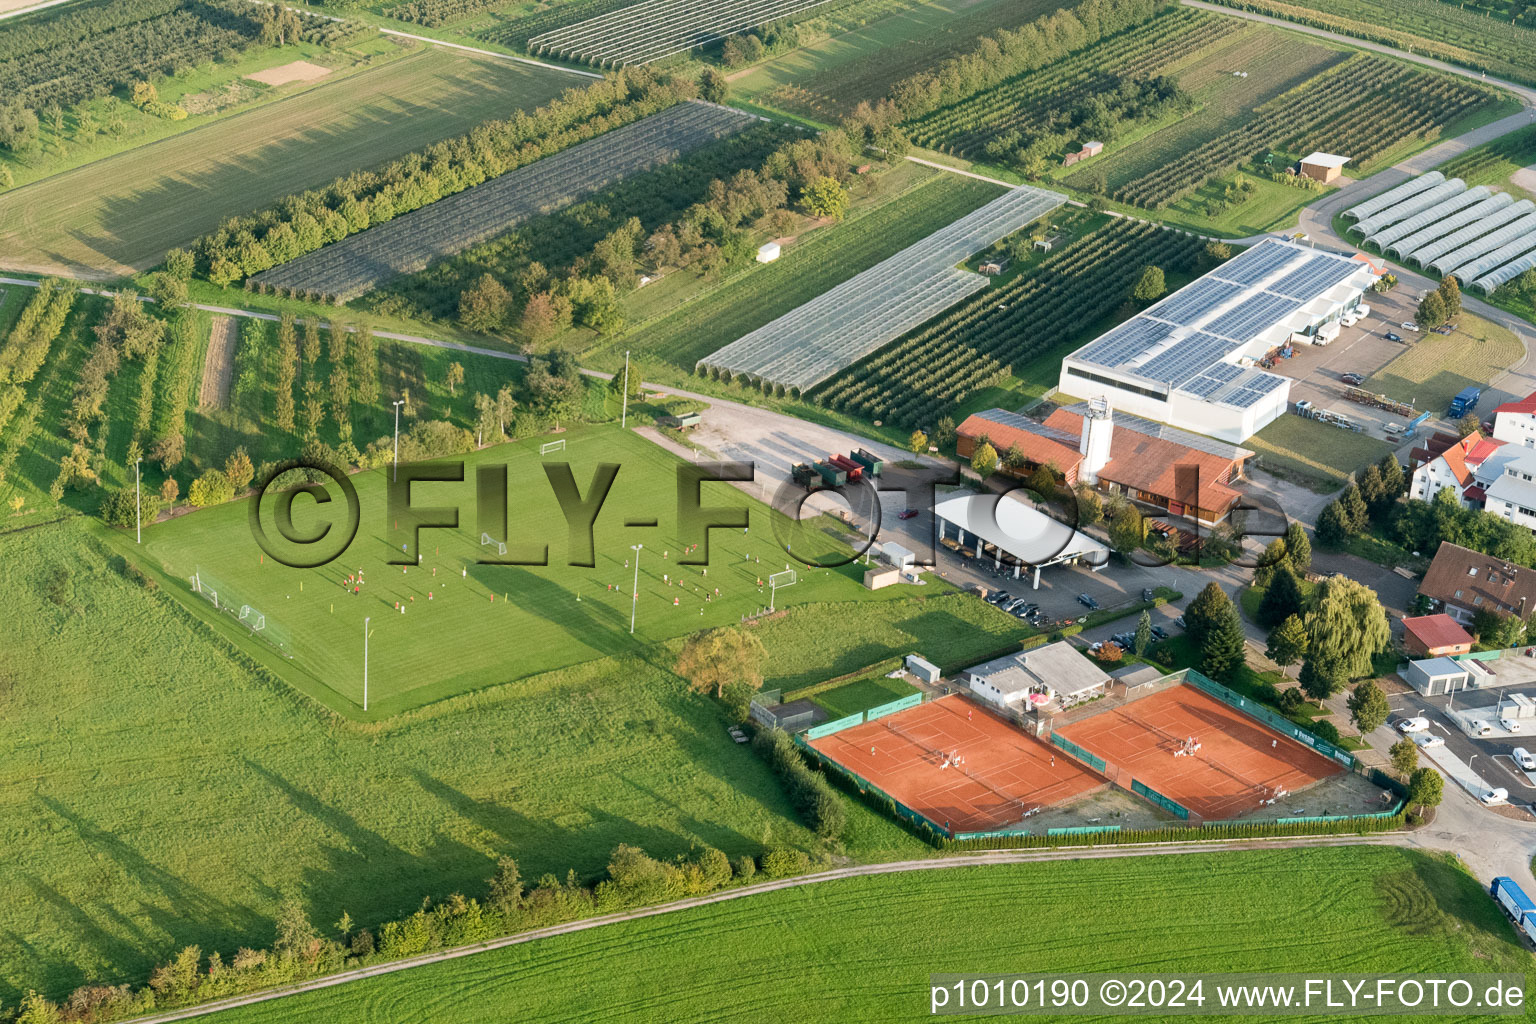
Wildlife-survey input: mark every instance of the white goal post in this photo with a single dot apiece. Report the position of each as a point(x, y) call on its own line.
point(486, 540)
point(787, 578)
point(552, 446)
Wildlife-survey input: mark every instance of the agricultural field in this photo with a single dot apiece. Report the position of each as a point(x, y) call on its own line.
point(1031, 109)
point(1497, 163)
point(216, 789)
point(1364, 105)
point(122, 213)
point(824, 80)
point(1359, 910)
point(1435, 367)
point(805, 346)
point(558, 240)
point(366, 260)
point(1436, 28)
point(1318, 456)
point(652, 29)
point(1036, 314)
point(677, 339)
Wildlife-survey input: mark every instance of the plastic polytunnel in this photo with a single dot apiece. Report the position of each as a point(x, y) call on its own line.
point(1452, 262)
point(1443, 229)
point(1396, 195)
point(1436, 214)
point(1508, 272)
point(1510, 211)
point(1498, 258)
point(1410, 206)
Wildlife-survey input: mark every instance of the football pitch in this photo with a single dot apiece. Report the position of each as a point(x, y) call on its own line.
point(450, 622)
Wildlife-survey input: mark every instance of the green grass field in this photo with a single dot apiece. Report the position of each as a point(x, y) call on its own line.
point(453, 634)
point(122, 213)
point(1435, 367)
point(677, 339)
point(1316, 455)
point(157, 788)
point(862, 694)
point(865, 947)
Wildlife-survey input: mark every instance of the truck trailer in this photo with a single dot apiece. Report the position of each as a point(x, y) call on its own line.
point(1513, 899)
point(869, 460)
point(1464, 402)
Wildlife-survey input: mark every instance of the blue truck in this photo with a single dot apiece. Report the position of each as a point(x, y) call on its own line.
point(1464, 402)
point(1516, 904)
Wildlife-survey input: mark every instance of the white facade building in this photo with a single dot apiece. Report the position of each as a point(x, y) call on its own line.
point(1189, 360)
point(1515, 422)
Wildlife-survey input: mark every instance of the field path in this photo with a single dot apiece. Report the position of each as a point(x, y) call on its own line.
point(1407, 839)
point(218, 364)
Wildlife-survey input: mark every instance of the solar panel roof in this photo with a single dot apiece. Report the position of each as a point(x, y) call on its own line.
point(1255, 264)
point(1190, 303)
point(1125, 342)
point(1185, 358)
point(1316, 275)
point(1247, 319)
point(1212, 379)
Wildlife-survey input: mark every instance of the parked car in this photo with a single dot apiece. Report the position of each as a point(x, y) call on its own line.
point(1494, 797)
point(1510, 724)
point(1015, 604)
point(1354, 379)
point(1409, 325)
point(1148, 594)
point(1429, 739)
point(1524, 759)
point(907, 513)
point(1087, 601)
point(1022, 613)
point(1394, 337)
point(1179, 622)
point(1159, 633)
point(1412, 725)
point(999, 597)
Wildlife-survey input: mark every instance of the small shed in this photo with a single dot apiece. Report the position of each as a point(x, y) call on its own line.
point(1324, 167)
point(924, 669)
point(1092, 149)
point(1049, 243)
point(1435, 677)
point(768, 252)
point(994, 267)
point(881, 577)
point(899, 556)
point(1435, 636)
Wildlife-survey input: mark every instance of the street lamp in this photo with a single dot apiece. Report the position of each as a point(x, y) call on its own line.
point(365, 662)
point(634, 594)
point(624, 416)
point(138, 515)
point(395, 475)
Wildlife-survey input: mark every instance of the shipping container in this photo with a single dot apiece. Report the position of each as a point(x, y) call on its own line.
point(847, 465)
point(833, 476)
point(869, 460)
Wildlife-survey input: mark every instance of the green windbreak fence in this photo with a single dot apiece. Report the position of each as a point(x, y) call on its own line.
point(1082, 830)
point(993, 835)
point(1279, 723)
point(816, 732)
point(1171, 806)
point(911, 700)
point(1093, 761)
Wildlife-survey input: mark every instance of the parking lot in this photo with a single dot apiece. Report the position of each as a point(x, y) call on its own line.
point(1490, 756)
point(1362, 349)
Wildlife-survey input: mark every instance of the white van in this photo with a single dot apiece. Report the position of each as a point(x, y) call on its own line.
point(1510, 724)
point(1524, 759)
point(1495, 796)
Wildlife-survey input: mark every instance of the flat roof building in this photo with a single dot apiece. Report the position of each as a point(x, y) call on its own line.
point(1189, 360)
point(1010, 532)
point(1034, 678)
point(1324, 167)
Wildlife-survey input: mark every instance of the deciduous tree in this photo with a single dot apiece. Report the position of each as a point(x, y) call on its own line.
point(711, 660)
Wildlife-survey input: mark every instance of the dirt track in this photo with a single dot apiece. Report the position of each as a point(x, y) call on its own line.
point(218, 364)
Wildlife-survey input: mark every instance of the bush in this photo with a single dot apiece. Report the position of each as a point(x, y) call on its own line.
point(782, 862)
point(808, 790)
point(118, 508)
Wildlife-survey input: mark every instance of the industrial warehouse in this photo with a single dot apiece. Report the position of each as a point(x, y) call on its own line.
point(1480, 237)
point(1190, 359)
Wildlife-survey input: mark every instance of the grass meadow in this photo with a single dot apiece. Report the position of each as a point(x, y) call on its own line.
point(459, 614)
point(158, 787)
point(863, 949)
point(1319, 456)
point(123, 212)
point(1437, 366)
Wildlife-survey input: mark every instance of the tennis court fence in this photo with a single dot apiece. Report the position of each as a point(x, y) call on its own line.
point(1270, 719)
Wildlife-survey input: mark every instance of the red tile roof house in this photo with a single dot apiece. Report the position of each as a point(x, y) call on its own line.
point(1455, 468)
point(1186, 474)
point(1461, 582)
point(1435, 636)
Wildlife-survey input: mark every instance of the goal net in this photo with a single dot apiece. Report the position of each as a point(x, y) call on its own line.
point(787, 578)
point(552, 446)
point(486, 541)
point(252, 618)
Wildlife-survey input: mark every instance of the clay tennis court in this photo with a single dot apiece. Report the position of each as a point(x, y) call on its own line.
point(1005, 771)
point(1239, 762)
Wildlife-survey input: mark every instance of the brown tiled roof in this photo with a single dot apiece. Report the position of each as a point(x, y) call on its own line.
point(1471, 580)
point(1151, 464)
point(1438, 630)
point(1040, 444)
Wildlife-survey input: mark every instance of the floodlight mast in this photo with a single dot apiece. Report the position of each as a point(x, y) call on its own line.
point(634, 594)
point(395, 474)
point(138, 505)
point(624, 415)
point(365, 662)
